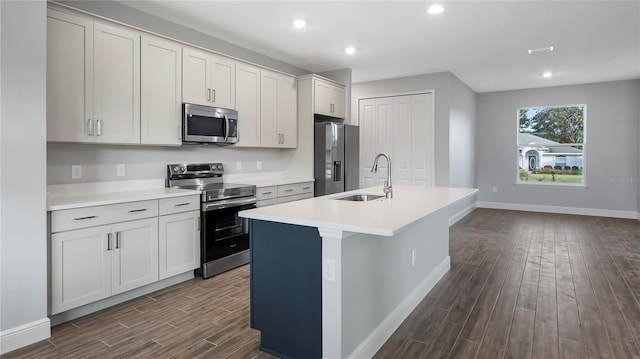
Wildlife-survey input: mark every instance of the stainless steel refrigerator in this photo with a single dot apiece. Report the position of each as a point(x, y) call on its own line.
point(336, 159)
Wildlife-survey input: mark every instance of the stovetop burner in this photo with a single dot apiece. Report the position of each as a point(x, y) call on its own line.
point(206, 177)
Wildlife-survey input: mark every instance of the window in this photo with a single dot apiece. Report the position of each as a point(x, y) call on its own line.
point(551, 143)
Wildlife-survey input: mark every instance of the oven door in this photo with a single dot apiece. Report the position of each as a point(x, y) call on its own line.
point(224, 233)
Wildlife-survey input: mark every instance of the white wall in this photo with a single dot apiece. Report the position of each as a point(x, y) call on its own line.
point(23, 243)
point(462, 135)
point(612, 164)
point(146, 162)
point(441, 83)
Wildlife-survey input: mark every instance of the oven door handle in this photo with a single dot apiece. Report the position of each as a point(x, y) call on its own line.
point(227, 204)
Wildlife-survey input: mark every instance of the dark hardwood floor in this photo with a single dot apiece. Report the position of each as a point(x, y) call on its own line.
point(521, 285)
point(530, 285)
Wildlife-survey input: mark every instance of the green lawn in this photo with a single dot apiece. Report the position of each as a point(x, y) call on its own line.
point(548, 178)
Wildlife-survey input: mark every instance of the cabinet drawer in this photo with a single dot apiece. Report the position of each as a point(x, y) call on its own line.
point(306, 187)
point(289, 189)
point(266, 193)
point(179, 204)
point(67, 219)
point(267, 202)
point(295, 197)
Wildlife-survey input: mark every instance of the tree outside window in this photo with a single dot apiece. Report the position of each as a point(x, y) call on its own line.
point(551, 143)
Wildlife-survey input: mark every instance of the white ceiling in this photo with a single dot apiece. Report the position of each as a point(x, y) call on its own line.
point(483, 43)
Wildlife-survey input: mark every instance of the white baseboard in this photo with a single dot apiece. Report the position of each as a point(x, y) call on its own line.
point(460, 215)
point(24, 335)
point(558, 209)
point(372, 343)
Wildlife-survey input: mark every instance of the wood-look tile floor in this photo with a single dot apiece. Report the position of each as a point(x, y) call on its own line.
point(521, 285)
point(194, 319)
point(530, 285)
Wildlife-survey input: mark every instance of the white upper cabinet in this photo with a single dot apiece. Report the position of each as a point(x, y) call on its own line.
point(116, 84)
point(208, 79)
point(69, 78)
point(278, 101)
point(329, 99)
point(161, 91)
point(248, 105)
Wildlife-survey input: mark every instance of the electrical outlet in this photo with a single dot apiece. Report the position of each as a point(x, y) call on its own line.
point(495, 189)
point(76, 171)
point(413, 257)
point(329, 269)
point(259, 165)
point(239, 166)
point(120, 170)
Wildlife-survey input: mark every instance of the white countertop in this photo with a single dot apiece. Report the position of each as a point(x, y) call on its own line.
point(55, 203)
point(378, 217)
point(268, 182)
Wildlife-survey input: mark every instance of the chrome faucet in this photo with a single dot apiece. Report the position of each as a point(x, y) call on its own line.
point(388, 189)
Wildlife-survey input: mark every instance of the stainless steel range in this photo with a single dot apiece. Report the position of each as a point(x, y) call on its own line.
point(224, 236)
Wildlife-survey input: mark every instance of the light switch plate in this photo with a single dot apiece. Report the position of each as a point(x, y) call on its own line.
point(329, 269)
point(239, 166)
point(120, 169)
point(259, 165)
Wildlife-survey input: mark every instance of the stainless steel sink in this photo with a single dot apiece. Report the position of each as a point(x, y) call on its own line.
point(360, 197)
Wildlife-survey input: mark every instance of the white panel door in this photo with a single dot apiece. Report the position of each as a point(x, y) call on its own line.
point(69, 78)
point(135, 254)
point(368, 135)
point(384, 136)
point(269, 135)
point(80, 268)
point(422, 143)
point(402, 139)
point(248, 104)
point(287, 114)
point(196, 74)
point(161, 91)
point(117, 84)
point(179, 243)
point(223, 82)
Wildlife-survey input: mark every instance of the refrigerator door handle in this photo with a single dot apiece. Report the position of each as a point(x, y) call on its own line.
point(337, 171)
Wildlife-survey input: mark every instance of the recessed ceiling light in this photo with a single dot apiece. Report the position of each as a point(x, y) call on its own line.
point(547, 74)
point(299, 24)
point(540, 49)
point(350, 50)
point(435, 9)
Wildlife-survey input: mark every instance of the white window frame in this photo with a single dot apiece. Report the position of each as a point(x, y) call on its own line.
point(563, 185)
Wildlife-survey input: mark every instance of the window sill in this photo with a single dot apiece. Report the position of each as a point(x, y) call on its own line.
point(552, 185)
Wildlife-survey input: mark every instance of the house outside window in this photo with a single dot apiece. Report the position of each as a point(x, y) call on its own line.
point(551, 144)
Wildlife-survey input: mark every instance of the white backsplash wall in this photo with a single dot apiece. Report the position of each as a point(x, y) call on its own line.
point(99, 162)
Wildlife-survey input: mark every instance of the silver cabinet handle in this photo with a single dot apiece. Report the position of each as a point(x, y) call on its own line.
point(265, 193)
point(108, 241)
point(89, 127)
point(288, 190)
point(179, 132)
point(197, 223)
point(117, 240)
point(308, 187)
point(98, 127)
point(283, 138)
point(208, 94)
point(181, 204)
point(137, 210)
point(214, 95)
point(83, 218)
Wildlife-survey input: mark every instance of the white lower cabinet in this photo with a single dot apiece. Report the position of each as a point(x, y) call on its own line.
point(117, 249)
point(267, 196)
point(93, 263)
point(179, 252)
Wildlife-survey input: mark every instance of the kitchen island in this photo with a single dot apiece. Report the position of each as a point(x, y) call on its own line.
point(334, 278)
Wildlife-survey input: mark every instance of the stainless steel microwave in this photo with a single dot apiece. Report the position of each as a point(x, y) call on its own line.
point(204, 124)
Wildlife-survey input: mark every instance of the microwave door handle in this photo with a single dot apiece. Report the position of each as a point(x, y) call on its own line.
point(226, 125)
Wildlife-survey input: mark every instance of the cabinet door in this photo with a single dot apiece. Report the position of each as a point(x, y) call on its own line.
point(287, 113)
point(337, 102)
point(134, 254)
point(69, 77)
point(223, 82)
point(117, 84)
point(248, 105)
point(80, 268)
point(269, 135)
point(322, 98)
point(179, 241)
point(161, 91)
point(196, 74)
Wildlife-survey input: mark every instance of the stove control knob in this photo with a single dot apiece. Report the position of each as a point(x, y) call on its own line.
point(219, 166)
point(183, 169)
point(176, 169)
